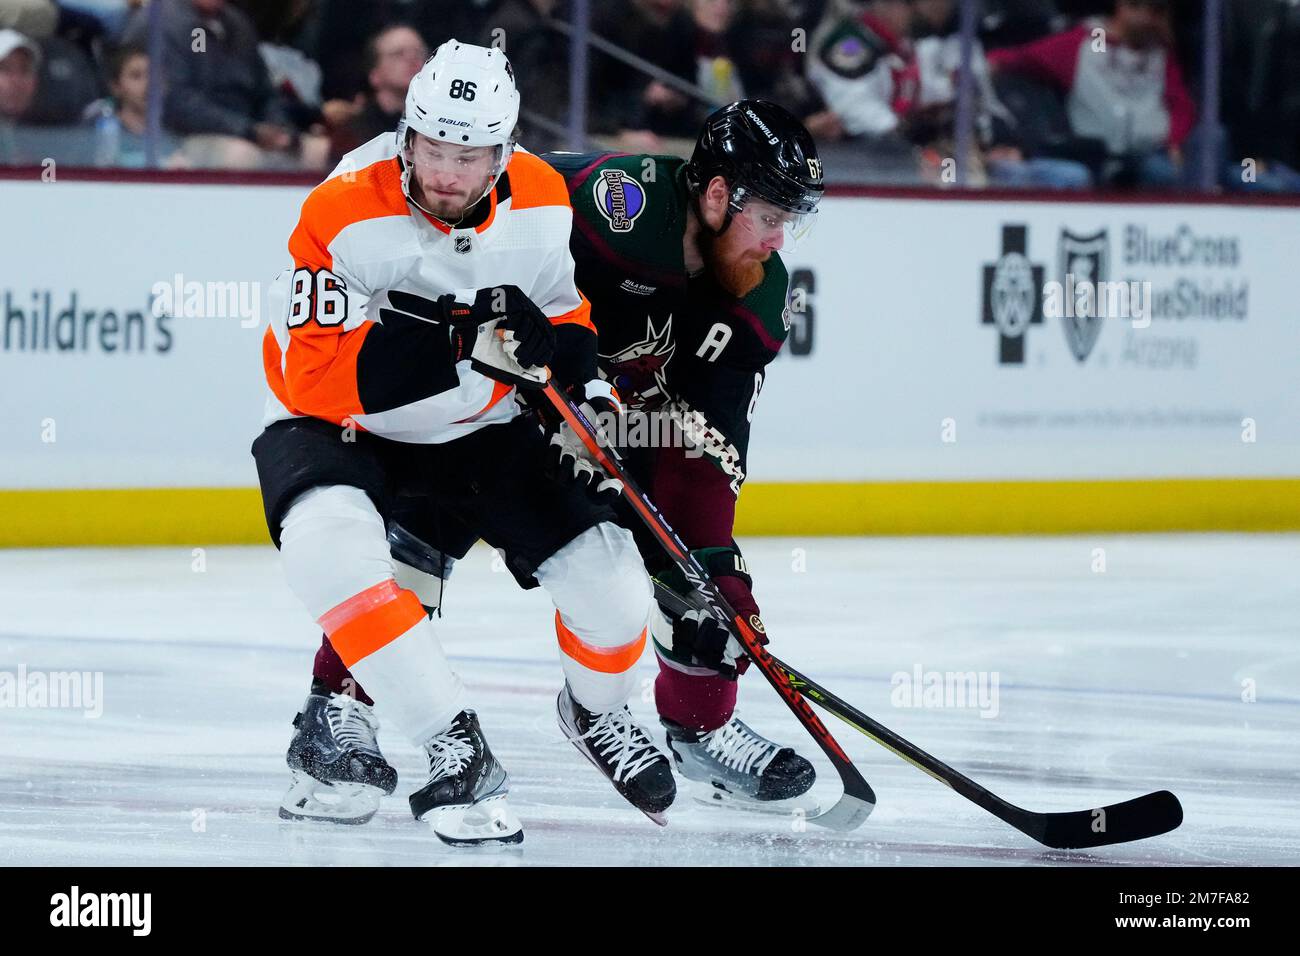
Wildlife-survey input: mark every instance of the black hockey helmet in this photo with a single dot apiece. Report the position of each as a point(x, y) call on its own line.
point(761, 150)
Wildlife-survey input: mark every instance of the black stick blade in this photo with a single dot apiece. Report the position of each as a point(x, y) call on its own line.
point(1137, 819)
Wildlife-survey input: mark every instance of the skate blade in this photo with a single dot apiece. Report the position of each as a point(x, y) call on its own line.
point(705, 793)
point(661, 817)
point(486, 823)
point(349, 804)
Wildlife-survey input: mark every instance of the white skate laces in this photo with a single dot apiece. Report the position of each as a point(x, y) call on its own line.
point(738, 747)
point(353, 723)
point(449, 752)
point(614, 732)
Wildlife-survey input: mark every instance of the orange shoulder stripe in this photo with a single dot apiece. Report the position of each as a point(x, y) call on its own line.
point(370, 193)
point(534, 183)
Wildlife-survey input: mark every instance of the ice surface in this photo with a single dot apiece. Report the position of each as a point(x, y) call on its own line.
point(1111, 683)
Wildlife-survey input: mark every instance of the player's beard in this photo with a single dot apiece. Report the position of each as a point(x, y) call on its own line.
point(451, 209)
point(737, 270)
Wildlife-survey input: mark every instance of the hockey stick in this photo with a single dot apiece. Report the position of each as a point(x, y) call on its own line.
point(858, 800)
point(1137, 819)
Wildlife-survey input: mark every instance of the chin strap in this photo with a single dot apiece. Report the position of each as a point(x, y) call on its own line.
point(467, 214)
point(506, 152)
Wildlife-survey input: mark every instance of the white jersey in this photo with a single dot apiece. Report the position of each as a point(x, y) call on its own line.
point(328, 353)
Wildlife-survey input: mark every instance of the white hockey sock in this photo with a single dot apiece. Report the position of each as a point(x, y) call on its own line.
point(412, 683)
point(603, 601)
point(336, 557)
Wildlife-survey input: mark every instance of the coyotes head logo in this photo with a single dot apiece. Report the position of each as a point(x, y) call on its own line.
point(639, 372)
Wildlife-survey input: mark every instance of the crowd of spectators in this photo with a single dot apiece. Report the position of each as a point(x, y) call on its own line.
point(1064, 94)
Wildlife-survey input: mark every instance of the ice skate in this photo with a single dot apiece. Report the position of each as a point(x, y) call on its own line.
point(338, 772)
point(735, 766)
point(623, 752)
point(464, 800)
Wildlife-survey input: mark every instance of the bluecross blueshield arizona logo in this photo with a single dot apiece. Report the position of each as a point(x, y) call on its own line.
point(1083, 260)
point(619, 198)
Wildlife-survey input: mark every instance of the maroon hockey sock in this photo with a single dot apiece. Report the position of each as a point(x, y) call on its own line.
point(703, 702)
point(331, 671)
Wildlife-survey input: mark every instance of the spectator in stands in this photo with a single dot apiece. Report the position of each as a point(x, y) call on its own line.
point(35, 19)
point(748, 49)
point(280, 26)
point(337, 29)
point(218, 90)
point(642, 110)
point(393, 56)
point(771, 62)
point(295, 75)
point(1122, 86)
point(121, 122)
point(863, 63)
point(540, 57)
point(1257, 146)
point(32, 129)
point(716, 69)
point(69, 82)
point(19, 60)
point(997, 157)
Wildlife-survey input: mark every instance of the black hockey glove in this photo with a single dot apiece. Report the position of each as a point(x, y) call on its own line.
point(529, 336)
point(705, 641)
point(697, 636)
point(570, 459)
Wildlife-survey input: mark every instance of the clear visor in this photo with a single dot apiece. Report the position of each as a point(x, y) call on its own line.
point(434, 157)
point(771, 223)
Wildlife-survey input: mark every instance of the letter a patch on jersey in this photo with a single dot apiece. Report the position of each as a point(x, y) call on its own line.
point(620, 199)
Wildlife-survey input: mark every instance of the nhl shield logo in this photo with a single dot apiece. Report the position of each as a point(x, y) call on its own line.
point(1082, 260)
point(463, 244)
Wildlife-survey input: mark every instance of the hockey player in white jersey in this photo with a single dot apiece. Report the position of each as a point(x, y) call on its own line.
point(381, 407)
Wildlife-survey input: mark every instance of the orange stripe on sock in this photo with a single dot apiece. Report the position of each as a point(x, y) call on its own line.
point(607, 660)
point(367, 621)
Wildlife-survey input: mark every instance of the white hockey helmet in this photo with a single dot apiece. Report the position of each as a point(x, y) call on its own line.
point(464, 95)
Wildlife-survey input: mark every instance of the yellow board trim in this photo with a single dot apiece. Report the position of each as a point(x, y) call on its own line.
point(1021, 507)
point(125, 516)
point(193, 516)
